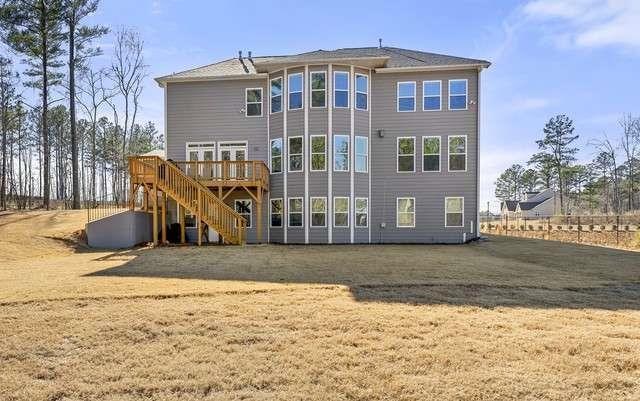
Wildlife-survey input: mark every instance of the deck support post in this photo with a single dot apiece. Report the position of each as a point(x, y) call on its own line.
point(182, 228)
point(164, 217)
point(155, 215)
point(199, 219)
point(132, 203)
point(259, 214)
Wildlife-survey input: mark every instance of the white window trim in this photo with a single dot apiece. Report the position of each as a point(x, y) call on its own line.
point(311, 152)
point(334, 211)
point(317, 90)
point(348, 153)
point(271, 213)
point(398, 212)
point(281, 95)
point(289, 211)
point(213, 147)
point(446, 212)
point(439, 138)
point(466, 152)
point(281, 155)
point(289, 92)
point(250, 207)
point(398, 97)
point(311, 212)
point(341, 90)
point(424, 95)
point(355, 149)
point(247, 103)
point(289, 154)
point(355, 212)
point(398, 154)
point(466, 94)
point(355, 87)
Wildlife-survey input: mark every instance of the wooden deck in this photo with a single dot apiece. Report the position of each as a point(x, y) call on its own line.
point(221, 178)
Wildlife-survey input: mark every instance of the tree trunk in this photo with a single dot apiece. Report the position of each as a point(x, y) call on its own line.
point(72, 114)
point(45, 104)
point(3, 184)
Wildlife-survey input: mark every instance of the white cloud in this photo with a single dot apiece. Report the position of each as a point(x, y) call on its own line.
point(156, 7)
point(589, 23)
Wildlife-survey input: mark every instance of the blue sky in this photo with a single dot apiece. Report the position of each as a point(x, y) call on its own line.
point(579, 57)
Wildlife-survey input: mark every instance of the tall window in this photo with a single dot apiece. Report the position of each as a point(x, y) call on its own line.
point(430, 153)
point(362, 154)
point(458, 94)
point(296, 210)
point(276, 155)
point(431, 95)
point(406, 154)
point(341, 211)
point(406, 212)
point(454, 212)
point(406, 96)
point(276, 95)
point(318, 152)
point(243, 208)
point(341, 89)
point(253, 102)
point(318, 212)
point(295, 154)
point(458, 153)
point(362, 92)
point(341, 153)
point(318, 89)
point(362, 212)
point(276, 212)
point(295, 91)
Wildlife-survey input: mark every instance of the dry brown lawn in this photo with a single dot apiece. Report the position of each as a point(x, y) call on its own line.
point(506, 319)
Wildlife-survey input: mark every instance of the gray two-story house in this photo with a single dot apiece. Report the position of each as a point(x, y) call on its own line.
point(359, 145)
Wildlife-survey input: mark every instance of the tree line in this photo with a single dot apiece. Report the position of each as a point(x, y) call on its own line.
point(609, 183)
point(71, 144)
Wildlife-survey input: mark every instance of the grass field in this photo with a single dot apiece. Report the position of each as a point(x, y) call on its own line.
point(504, 319)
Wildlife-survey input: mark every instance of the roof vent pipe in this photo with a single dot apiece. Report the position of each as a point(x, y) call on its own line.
point(239, 54)
point(249, 54)
point(380, 43)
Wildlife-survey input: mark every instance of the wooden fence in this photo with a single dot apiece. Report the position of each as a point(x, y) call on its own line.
point(620, 230)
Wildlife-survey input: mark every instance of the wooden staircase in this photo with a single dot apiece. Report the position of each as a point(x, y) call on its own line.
point(157, 174)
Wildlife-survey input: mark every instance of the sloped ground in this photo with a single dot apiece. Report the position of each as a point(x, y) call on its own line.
point(510, 319)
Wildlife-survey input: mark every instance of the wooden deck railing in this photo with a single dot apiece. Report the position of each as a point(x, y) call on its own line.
point(253, 172)
point(190, 194)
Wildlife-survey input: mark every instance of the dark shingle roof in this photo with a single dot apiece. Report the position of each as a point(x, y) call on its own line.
point(511, 205)
point(529, 205)
point(388, 57)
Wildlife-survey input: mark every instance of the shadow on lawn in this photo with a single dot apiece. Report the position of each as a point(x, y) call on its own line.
point(503, 272)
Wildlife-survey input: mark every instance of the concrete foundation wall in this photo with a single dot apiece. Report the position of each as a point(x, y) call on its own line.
point(122, 230)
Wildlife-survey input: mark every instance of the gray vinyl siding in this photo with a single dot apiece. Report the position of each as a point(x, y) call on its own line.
point(210, 111)
point(429, 189)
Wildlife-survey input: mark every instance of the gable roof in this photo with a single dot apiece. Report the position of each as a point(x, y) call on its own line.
point(529, 205)
point(383, 59)
point(511, 205)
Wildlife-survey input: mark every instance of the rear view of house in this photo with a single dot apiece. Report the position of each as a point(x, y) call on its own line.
point(360, 145)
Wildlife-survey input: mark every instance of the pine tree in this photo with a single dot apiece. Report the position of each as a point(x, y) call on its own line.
point(79, 39)
point(555, 149)
point(33, 28)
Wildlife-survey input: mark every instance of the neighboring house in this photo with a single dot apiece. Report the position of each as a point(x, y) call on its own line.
point(363, 145)
point(536, 204)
